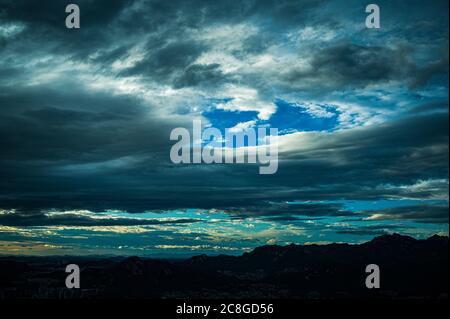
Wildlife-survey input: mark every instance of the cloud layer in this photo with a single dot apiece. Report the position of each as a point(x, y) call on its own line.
point(86, 115)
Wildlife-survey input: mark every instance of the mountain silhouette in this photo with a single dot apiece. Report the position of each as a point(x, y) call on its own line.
point(409, 268)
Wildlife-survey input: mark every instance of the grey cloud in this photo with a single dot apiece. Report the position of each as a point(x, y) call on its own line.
point(424, 74)
point(52, 13)
point(64, 146)
point(21, 219)
point(45, 29)
point(171, 50)
point(162, 62)
point(370, 230)
point(349, 65)
point(77, 126)
point(425, 213)
point(290, 218)
point(285, 211)
point(438, 106)
point(196, 74)
point(399, 153)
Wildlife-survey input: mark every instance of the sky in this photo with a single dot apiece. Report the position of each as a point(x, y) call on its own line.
point(86, 115)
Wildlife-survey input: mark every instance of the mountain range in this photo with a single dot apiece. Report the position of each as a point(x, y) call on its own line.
point(409, 268)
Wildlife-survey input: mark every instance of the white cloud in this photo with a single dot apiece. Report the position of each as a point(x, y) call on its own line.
point(246, 99)
point(242, 126)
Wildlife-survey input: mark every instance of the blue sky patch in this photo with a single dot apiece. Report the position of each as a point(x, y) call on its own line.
point(288, 118)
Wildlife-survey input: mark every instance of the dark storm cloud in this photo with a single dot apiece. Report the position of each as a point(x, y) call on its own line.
point(52, 13)
point(421, 76)
point(200, 74)
point(45, 29)
point(20, 219)
point(65, 146)
point(76, 126)
point(283, 211)
point(438, 106)
point(350, 65)
point(370, 230)
point(358, 162)
point(159, 22)
point(163, 62)
point(276, 13)
point(111, 28)
point(172, 50)
point(424, 213)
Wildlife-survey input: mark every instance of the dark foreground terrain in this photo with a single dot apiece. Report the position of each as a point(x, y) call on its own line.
point(410, 268)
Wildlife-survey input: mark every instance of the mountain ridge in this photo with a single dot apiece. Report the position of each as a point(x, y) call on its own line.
point(410, 268)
